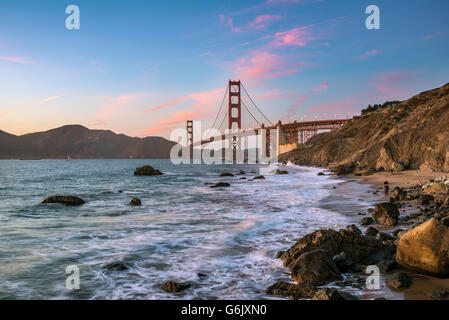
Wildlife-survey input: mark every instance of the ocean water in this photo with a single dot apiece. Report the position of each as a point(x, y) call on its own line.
point(222, 240)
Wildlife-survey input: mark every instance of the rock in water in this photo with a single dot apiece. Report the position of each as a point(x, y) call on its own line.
point(400, 280)
point(366, 221)
point(281, 171)
point(296, 291)
point(259, 178)
point(315, 268)
point(226, 174)
point(147, 171)
point(386, 213)
point(135, 202)
point(425, 249)
point(221, 185)
point(116, 266)
point(171, 286)
point(67, 200)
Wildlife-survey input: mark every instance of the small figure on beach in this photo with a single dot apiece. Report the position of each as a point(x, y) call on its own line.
point(387, 188)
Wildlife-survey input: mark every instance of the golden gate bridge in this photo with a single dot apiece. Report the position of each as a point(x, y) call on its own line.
point(289, 135)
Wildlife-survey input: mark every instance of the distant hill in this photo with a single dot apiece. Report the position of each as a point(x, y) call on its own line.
point(82, 143)
point(409, 135)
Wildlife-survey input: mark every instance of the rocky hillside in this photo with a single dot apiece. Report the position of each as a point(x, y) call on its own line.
point(410, 135)
point(80, 142)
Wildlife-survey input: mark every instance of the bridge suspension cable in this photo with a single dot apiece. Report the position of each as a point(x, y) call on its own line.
point(251, 99)
point(221, 106)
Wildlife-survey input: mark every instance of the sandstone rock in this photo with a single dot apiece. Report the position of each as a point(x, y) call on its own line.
point(384, 236)
point(353, 228)
point(357, 248)
point(436, 187)
point(171, 286)
point(314, 268)
point(226, 174)
point(67, 200)
point(399, 194)
point(344, 170)
point(400, 280)
point(367, 221)
point(135, 202)
point(296, 291)
point(425, 199)
point(386, 214)
point(371, 232)
point(425, 249)
point(328, 294)
point(221, 185)
point(147, 171)
point(386, 265)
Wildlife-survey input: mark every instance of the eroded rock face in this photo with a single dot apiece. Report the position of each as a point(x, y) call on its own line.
point(315, 268)
point(357, 248)
point(67, 200)
point(386, 213)
point(147, 171)
point(425, 249)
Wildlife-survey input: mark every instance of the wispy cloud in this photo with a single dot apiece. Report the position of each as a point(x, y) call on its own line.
point(292, 110)
point(258, 23)
point(299, 37)
point(391, 84)
point(32, 104)
point(260, 65)
point(113, 105)
point(370, 53)
point(435, 35)
point(16, 59)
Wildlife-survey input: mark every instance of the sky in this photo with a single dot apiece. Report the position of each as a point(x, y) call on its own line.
point(143, 68)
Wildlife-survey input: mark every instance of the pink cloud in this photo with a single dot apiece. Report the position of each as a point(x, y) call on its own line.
point(204, 105)
point(299, 37)
point(16, 60)
point(434, 35)
point(260, 22)
point(370, 53)
point(300, 100)
point(261, 65)
point(166, 105)
point(113, 106)
point(391, 84)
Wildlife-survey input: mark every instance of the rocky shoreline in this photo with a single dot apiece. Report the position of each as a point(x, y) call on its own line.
point(406, 238)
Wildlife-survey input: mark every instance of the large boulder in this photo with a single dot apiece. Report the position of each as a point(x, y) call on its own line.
point(297, 291)
point(386, 213)
point(425, 249)
point(357, 248)
point(315, 268)
point(147, 171)
point(67, 200)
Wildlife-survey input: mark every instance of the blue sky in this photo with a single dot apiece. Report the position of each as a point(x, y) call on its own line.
point(144, 67)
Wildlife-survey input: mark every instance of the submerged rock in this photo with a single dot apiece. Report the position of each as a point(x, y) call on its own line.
point(425, 249)
point(147, 171)
point(67, 200)
point(221, 185)
point(281, 171)
point(386, 213)
point(367, 221)
point(297, 291)
point(259, 178)
point(226, 174)
point(173, 287)
point(116, 266)
point(400, 280)
point(135, 202)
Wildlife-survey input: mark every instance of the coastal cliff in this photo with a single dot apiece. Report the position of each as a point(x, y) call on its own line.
point(413, 134)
